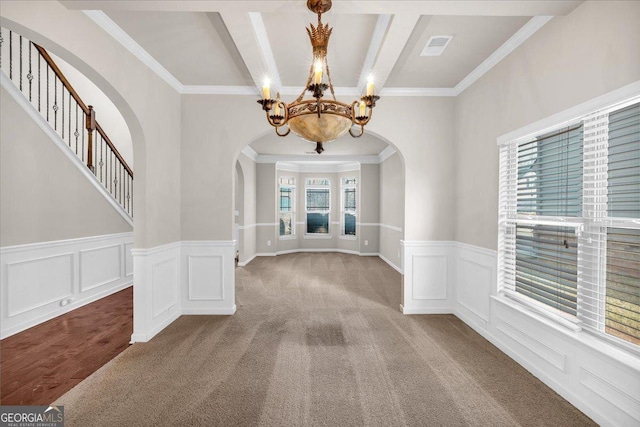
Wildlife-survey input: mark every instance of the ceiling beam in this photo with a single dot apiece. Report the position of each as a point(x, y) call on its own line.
point(253, 46)
point(382, 25)
point(398, 33)
point(431, 7)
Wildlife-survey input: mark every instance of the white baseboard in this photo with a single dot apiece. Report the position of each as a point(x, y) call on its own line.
point(36, 279)
point(213, 311)
point(388, 261)
point(244, 263)
point(144, 337)
point(425, 310)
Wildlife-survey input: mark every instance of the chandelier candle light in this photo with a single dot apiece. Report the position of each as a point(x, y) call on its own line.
point(319, 120)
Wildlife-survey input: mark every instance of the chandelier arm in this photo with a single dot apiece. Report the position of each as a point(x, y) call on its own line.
point(359, 135)
point(283, 134)
point(326, 61)
point(354, 117)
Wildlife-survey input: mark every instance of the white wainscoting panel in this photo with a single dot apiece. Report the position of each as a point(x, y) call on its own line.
point(37, 282)
point(156, 290)
point(164, 289)
point(429, 277)
point(100, 266)
point(428, 268)
point(41, 281)
point(599, 378)
point(208, 277)
point(128, 259)
point(474, 279)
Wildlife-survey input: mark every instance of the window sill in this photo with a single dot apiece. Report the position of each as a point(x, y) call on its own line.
point(545, 316)
point(317, 236)
point(288, 237)
point(588, 340)
point(347, 237)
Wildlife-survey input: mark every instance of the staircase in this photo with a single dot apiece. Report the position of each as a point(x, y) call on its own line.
point(34, 73)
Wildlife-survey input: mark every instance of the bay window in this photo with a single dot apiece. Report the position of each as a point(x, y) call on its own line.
point(348, 207)
point(318, 205)
point(286, 204)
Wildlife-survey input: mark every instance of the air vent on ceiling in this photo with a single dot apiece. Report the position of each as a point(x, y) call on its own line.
point(436, 45)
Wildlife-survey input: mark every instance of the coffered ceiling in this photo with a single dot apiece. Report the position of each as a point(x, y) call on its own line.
point(229, 47)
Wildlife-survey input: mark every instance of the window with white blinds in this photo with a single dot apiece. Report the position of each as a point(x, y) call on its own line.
point(569, 222)
point(287, 207)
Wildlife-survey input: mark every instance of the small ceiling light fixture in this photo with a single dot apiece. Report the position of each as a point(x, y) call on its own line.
point(319, 120)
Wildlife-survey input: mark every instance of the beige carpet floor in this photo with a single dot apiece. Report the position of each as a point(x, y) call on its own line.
point(317, 340)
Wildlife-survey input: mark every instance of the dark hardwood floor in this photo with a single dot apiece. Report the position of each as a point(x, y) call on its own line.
point(44, 362)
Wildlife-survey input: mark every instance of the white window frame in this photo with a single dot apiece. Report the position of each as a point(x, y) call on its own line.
point(307, 187)
point(343, 210)
point(293, 207)
point(591, 227)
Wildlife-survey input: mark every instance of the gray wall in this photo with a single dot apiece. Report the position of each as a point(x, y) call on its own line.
point(43, 197)
point(247, 207)
point(567, 62)
point(369, 208)
point(266, 231)
point(392, 208)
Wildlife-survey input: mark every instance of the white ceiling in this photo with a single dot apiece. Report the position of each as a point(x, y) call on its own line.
point(229, 47)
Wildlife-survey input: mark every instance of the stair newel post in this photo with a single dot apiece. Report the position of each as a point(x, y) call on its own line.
point(91, 126)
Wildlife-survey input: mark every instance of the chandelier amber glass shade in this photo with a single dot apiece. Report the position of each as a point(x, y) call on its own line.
point(319, 119)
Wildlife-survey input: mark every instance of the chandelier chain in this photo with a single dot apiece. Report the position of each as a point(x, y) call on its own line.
point(304, 89)
point(326, 61)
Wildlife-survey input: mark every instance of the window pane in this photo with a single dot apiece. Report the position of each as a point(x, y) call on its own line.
point(287, 181)
point(623, 284)
point(318, 223)
point(349, 199)
point(286, 199)
point(624, 163)
point(286, 223)
point(317, 199)
point(317, 181)
point(550, 174)
point(349, 224)
point(348, 181)
point(546, 265)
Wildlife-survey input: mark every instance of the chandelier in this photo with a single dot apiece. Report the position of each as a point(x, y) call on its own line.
point(319, 120)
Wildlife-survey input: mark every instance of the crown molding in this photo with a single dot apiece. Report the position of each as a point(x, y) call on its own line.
point(418, 91)
point(386, 153)
point(527, 30)
point(250, 153)
point(114, 30)
point(318, 166)
point(287, 160)
point(219, 90)
point(315, 159)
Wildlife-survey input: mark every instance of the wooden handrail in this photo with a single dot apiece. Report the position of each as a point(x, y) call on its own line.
point(114, 149)
point(62, 78)
point(82, 105)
